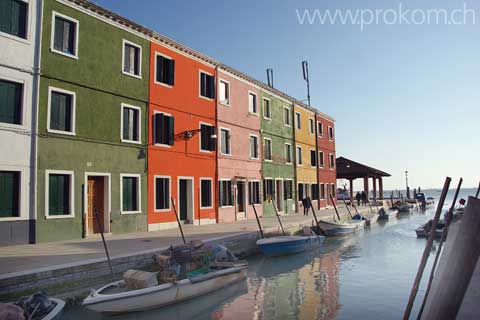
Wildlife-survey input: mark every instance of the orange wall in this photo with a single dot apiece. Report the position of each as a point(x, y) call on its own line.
point(184, 158)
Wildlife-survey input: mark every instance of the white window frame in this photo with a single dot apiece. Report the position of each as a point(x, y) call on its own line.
point(225, 103)
point(316, 160)
point(289, 117)
point(219, 199)
point(200, 136)
point(311, 126)
point(291, 156)
point(266, 184)
point(322, 187)
point(74, 103)
point(271, 149)
point(155, 193)
point(256, 102)
point(250, 150)
point(153, 129)
point(27, 39)
point(321, 164)
point(319, 125)
point(259, 190)
point(229, 142)
point(330, 157)
point(139, 192)
point(200, 71)
point(139, 76)
point(155, 69)
point(23, 124)
point(298, 124)
point(331, 138)
point(211, 192)
point(72, 193)
point(21, 192)
point(266, 117)
point(52, 34)
point(291, 180)
point(125, 105)
point(299, 157)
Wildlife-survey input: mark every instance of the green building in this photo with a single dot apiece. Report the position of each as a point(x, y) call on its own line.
point(278, 169)
point(92, 124)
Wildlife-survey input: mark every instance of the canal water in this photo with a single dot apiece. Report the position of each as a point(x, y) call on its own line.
point(367, 275)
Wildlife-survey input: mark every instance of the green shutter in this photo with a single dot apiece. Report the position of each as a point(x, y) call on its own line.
point(9, 194)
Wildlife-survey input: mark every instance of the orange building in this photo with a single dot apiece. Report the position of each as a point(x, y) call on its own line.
point(182, 138)
point(327, 171)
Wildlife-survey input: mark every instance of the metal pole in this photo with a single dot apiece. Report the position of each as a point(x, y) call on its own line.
point(178, 220)
point(104, 244)
point(426, 251)
point(278, 217)
point(258, 221)
point(335, 207)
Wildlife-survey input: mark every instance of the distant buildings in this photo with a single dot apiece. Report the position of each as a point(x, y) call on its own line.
point(101, 116)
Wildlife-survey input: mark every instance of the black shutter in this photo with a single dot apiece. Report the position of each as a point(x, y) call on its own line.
point(211, 85)
point(171, 130)
point(159, 71)
point(212, 141)
point(171, 72)
point(158, 124)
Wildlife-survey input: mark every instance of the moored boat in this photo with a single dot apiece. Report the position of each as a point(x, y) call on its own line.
point(284, 245)
point(57, 310)
point(37, 306)
point(423, 231)
point(403, 207)
point(337, 228)
point(387, 214)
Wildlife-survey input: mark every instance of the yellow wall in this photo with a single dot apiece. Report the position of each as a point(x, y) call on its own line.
point(303, 138)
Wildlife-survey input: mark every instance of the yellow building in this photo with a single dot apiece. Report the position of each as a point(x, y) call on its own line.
point(305, 154)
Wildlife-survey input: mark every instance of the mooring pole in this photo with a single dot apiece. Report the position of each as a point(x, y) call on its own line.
point(478, 191)
point(104, 244)
point(315, 216)
point(335, 207)
point(278, 216)
point(178, 220)
point(426, 251)
point(258, 221)
point(448, 219)
point(344, 202)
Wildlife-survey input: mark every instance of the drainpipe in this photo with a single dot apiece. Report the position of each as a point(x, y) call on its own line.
point(294, 158)
point(316, 157)
point(217, 196)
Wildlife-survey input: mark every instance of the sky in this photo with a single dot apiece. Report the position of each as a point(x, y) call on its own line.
point(404, 91)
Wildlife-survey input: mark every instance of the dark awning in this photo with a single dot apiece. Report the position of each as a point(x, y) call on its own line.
point(348, 169)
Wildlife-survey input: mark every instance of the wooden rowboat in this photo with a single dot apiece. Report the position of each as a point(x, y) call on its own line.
point(342, 227)
point(116, 298)
point(387, 214)
point(277, 246)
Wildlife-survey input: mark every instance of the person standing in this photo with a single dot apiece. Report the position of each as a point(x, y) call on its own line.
point(364, 198)
point(306, 206)
point(358, 197)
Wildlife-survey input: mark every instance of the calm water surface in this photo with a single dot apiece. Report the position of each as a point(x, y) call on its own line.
point(367, 275)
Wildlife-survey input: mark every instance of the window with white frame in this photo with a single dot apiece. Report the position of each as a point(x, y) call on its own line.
point(322, 191)
point(267, 110)
point(314, 191)
point(286, 117)
point(224, 92)
point(298, 120)
point(288, 189)
point(131, 123)
point(225, 146)
point(207, 143)
point(253, 192)
point(311, 126)
point(10, 194)
point(288, 153)
point(299, 155)
point(268, 189)
point(301, 191)
point(319, 128)
point(162, 193)
point(252, 103)
point(313, 158)
point(206, 194)
point(163, 129)
point(64, 35)
point(207, 85)
point(330, 133)
point(164, 70)
point(132, 59)
point(130, 193)
point(253, 147)
point(332, 161)
point(225, 193)
point(11, 102)
point(59, 194)
point(321, 160)
point(61, 111)
point(267, 145)
point(14, 17)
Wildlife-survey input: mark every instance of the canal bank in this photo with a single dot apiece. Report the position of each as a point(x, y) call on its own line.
point(70, 268)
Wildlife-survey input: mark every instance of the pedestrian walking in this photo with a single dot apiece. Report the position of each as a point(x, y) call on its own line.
point(306, 205)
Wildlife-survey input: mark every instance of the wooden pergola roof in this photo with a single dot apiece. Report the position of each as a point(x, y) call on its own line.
point(348, 169)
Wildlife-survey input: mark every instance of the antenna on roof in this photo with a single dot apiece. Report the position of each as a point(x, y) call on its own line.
point(306, 78)
point(270, 77)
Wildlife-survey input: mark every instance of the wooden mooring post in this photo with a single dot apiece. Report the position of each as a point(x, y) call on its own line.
point(178, 220)
point(258, 221)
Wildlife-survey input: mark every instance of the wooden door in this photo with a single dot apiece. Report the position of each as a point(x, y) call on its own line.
point(96, 203)
point(279, 195)
point(183, 200)
point(241, 196)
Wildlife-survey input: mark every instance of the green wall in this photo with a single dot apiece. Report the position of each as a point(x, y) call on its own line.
point(100, 86)
point(280, 134)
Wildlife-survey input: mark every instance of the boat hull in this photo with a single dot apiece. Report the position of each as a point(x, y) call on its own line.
point(162, 295)
point(278, 246)
point(338, 229)
point(388, 214)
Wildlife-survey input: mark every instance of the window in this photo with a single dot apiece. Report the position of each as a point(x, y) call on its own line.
point(268, 149)
point(320, 159)
point(64, 35)
point(252, 103)
point(225, 141)
point(207, 143)
point(164, 70)
point(162, 193)
point(322, 191)
point(288, 153)
point(9, 194)
point(253, 192)
point(132, 59)
point(314, 191)
point(299, 156)
point(332, 162)
point(330, 133)
point(267, 112)
point(224, 91)
point(253, 147)
point(333, 189)
point(59, 194)
point(13, 19)
point(11, 100)
point(61, 112)
point(311, 127)
point(319, 129)
point(268, 189)
point(287, 189)
point(163, 131)
point(286, 116)
point(226, 198)
point(130, 123)
point(313, 159)
point(206, 193)
point(130, 193)
point(301, 191)
point(298, 121)
point(207, 85)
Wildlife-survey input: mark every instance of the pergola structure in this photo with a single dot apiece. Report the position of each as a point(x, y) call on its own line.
point(351, 170)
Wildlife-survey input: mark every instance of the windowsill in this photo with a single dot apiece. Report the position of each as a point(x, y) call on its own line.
point(298, 129)
point(68, 55)
point(267, 160)
point(226, 104)
point(266, 118)
point(287, 125)
point(163, 84)
point(130, 212)
point(68, 133)
point(132, 74)
point(329, 139)
point(226, 206)
point(15, 38)
point(253, 114)
point(14, 126)
point(321, 167)
point(131, 141)
point(226, 154)
point(299, 164)
point(320, 135)
point(288, 163)
point(206, 151)
point(206, 208)
point(13, 219)
point(162, 210)
point(60, 216)
point(253, 158)
point(206, 98)
point(162, 145)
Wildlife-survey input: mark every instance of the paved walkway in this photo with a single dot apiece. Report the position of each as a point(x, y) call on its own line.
point(23, 258)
